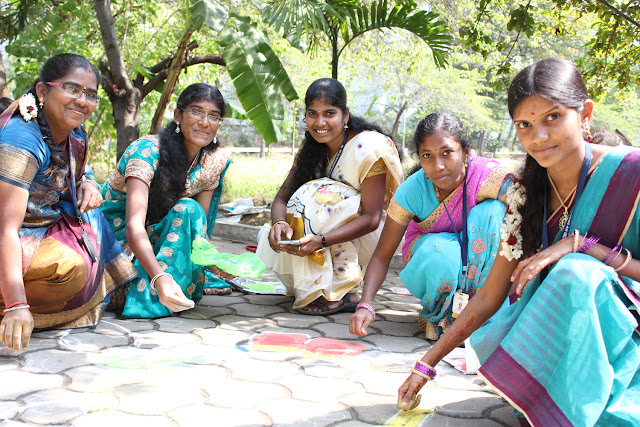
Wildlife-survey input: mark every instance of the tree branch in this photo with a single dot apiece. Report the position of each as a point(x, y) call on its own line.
point(619, 12)
point(109, 37)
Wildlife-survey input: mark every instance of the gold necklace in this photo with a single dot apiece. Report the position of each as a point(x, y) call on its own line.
point(565, 216)
point(195, 161)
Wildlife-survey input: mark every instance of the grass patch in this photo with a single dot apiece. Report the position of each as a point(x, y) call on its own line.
point(254, 177)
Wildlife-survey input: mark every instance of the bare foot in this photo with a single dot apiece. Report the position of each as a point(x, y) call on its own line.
point(221, 273)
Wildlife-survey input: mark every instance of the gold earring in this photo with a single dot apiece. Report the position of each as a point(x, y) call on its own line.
point(587, 129)
point(41, 103)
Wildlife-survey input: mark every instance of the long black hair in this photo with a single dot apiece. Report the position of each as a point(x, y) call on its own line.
point(312, 157)
point(57, 67)
point(169, 181)
point(439, 121)
point(560, 82)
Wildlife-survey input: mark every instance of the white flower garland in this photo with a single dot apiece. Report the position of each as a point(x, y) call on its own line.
point(510, 235)
point(28, 108)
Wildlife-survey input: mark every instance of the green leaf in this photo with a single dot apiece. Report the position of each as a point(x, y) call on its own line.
point(234, 112)
point(209, 12)
point(257, 73)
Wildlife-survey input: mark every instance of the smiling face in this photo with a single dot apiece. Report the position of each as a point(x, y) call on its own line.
point(551, 133)
point(62, 111)
point(442, 160)
point(198, 132)
point(326, 123)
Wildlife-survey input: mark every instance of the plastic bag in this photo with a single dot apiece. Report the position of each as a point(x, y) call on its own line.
point(245, 265)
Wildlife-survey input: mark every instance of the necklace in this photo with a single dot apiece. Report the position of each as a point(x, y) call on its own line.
point(195, 161)
point(565, 215)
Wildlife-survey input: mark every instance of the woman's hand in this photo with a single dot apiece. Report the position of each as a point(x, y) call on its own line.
point(529, 268)
point(408, 392)
point(89, 196)
point(16, 328)
point(360, 321)
point(170, 294)
point(280, 231)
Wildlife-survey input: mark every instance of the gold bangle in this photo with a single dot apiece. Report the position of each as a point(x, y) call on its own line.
point(626, 261)
point(576, 234)
point(280, 222)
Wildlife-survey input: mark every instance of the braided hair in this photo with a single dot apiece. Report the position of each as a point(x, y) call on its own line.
point(170, 178)
point(312, 157)
point(558, 81)
point(57, 67)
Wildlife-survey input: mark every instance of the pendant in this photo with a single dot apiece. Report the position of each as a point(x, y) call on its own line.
point(563, 219)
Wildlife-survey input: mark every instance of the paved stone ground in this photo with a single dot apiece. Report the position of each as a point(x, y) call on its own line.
point(239, 360)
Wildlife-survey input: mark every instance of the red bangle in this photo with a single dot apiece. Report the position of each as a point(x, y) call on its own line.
point(15, 304)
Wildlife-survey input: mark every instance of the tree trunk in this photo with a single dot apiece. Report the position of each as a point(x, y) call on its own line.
point(172, 80)
point(481, 143)
point(334, 53)
point(124, 97)
point(4, 90)
point(396, 123)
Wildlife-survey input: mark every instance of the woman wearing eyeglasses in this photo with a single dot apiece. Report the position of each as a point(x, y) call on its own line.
point(58, 258)
point(163, 194)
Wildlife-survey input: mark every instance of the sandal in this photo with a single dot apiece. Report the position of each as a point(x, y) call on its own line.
point(346, 307)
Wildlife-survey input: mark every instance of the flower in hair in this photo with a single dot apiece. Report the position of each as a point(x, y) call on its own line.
point(510, 234)
point(28, 108)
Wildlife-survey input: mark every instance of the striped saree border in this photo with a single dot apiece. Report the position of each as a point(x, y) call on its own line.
point(612, 210)
point(521, 389)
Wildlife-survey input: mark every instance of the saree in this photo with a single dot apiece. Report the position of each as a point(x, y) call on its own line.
point(431, 251)
point(172, 236)
point(325, 204)
point(65, 287)
point(568, 352)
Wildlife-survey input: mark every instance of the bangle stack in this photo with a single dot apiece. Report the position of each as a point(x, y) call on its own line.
point(152, 284)
point(98, 187)
point(324, 241)
point(424, 370)
point(585, 243)
point(280, 222)
point(368, 308)
point(16, 306)
point(615, 248)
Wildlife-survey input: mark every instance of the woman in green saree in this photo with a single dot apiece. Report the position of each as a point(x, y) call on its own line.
point(162, 196)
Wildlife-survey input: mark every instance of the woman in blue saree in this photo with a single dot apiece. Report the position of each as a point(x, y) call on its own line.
point(164, 194)
point(59, 259)
point(567, 352)
point(429, 205)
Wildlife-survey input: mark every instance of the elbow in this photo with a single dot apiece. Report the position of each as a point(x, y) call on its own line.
point(373, 222)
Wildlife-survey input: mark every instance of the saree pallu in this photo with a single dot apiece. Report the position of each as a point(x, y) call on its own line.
point(568, 352)
point(63, 285)
point(434, 272)
point(173, 235)
point(431, 251)
point(322, 205)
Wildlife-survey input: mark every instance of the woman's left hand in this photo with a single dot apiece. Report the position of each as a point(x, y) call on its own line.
point(528, 269)
point(308, 244)
point(89, 196)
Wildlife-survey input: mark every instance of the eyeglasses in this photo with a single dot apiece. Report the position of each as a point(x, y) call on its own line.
point(199, 115)
point(76, 92)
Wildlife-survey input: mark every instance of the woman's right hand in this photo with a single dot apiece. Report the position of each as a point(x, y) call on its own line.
point(360, 321)
point(170, 294)
point(16, 328)
point(280, 231)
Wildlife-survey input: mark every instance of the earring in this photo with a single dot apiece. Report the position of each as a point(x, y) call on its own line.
point(587, 129)
point(177, 127)
point(41, 103)
point(345, 126)
point(466, 161)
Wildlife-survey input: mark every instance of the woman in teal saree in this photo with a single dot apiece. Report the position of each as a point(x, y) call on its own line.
point(568, 351)
point(162, 196)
